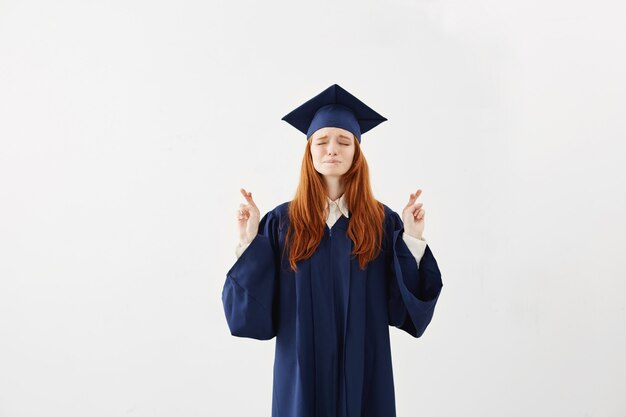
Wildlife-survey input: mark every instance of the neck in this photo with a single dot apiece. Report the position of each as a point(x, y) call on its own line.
point(334, 187)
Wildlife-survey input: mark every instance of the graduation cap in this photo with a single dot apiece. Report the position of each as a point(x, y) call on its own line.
point(334, 107)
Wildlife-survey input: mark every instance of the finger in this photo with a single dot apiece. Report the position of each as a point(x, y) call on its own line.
point(421, 214)
point(411, 200)
point(250, 200)
point(415, 208)
point(245, 212)
point(413, 196)
point(416, 194)
point(246, 194)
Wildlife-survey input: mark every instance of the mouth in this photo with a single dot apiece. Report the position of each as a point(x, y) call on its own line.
point(333, 162)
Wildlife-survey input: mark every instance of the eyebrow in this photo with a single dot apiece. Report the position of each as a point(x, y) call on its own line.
point(325, 136)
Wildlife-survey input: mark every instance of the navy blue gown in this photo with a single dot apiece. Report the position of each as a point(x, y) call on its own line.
point(330, 318)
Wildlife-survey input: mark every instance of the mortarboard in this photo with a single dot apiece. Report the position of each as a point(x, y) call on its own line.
point(334, 107)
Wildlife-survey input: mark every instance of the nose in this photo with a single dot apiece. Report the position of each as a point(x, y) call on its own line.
point(332, 148)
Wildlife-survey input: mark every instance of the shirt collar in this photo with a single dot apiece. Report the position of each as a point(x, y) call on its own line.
point(340, 203)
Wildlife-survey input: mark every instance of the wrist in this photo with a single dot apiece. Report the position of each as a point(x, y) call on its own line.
point(414, 237)
point(245, 242)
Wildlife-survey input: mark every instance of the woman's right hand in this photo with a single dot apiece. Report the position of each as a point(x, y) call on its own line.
point(248, 218)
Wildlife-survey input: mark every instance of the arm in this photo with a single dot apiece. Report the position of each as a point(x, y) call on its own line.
point(413, 290)
point(250, 289)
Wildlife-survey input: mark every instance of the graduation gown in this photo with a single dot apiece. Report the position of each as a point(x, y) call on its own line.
point(330, 318)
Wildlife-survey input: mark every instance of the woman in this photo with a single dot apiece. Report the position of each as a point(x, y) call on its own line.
point(328, 272)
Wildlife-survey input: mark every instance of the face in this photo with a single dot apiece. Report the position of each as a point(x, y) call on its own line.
point(332, 149)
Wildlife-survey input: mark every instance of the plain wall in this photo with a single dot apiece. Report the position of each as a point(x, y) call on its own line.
point(128, 127)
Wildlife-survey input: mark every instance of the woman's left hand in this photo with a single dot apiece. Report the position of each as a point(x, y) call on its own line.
point(413, 216)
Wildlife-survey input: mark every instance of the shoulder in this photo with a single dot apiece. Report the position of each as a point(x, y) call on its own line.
point(392, 222)
point(390, 214)
point(280, 211)
point(388, 210)
point(279, 215)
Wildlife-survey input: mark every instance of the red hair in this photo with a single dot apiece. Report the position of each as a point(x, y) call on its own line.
point(307, 211)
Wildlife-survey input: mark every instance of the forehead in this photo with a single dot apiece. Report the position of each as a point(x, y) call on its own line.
point(332, 131)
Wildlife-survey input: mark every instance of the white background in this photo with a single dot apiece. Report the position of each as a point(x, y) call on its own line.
point(128, 127)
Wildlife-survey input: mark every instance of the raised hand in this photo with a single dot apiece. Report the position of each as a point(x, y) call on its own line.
point(248, 217)
point(413, 216)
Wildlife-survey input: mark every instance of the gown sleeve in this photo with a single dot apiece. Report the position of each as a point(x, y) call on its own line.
point(413, 290)
point(416, 246)
point(250, 291)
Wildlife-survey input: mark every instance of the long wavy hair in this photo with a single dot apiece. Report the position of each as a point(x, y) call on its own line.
point(307, 211)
